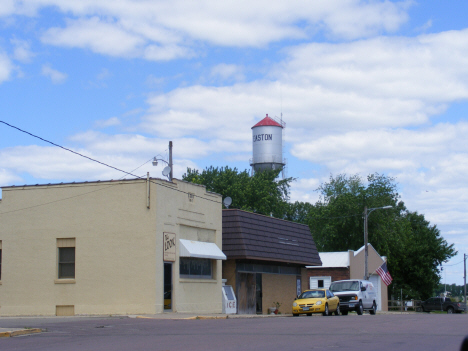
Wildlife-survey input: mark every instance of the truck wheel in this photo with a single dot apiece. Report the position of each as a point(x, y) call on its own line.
point(360, 308)
point(337, 311)
point(450, 310)
point(374, 309)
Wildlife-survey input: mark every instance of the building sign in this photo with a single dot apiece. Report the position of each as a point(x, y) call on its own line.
point(169, 247)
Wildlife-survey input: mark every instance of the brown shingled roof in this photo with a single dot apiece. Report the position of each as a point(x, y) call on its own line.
point(249, 235)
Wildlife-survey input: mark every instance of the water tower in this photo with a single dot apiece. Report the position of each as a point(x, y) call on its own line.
point(267, 145)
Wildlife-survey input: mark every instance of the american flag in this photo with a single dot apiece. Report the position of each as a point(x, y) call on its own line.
point(384, 274)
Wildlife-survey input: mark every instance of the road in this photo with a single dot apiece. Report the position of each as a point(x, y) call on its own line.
point(417, 331)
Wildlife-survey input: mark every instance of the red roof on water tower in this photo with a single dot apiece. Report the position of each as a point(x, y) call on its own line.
point(267, 121)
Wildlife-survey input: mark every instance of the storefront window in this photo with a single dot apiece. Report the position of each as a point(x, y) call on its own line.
point(199, 268)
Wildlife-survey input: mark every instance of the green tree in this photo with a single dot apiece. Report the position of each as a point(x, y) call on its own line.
point(261, 193)
point(414, 248)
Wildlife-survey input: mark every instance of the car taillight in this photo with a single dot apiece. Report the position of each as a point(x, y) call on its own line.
point(458, 304)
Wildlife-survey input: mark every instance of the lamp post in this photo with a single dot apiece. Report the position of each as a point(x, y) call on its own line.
point(169, 168)
point(366, 251)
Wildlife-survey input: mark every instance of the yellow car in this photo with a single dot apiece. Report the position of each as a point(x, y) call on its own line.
point(316, 301)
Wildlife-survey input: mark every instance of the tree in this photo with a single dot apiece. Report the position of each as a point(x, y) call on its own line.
point(261, 193)
point(413, 247)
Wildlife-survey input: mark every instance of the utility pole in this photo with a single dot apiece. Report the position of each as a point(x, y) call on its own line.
point(170, 160)
point(464, 276)
point(366, 252)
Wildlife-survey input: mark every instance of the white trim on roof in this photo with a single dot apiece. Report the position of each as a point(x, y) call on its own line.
point(333, 259)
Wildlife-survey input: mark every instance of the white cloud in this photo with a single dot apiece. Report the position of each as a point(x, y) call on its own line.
point(8, 176)
point(55, 76)
point(160, 30)
point(111, 122)
point(7, 7)
point(97, 35)
point(104, 74)
point(429, 67)
point(6, 67)
point(22, 51)
point(228, 71)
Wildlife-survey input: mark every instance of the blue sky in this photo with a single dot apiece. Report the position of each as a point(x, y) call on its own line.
point(364, 87)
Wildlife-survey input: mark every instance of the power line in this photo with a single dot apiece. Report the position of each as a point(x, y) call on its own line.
point(67, 149)
point(97, 161)
point(449, 265)
point(71, 197)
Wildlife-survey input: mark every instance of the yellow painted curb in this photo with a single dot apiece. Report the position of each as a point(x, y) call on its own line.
point(8, 334)
point(26, 331)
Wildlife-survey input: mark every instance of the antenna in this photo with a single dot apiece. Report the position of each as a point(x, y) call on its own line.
point(166, 171)
point(227, 202)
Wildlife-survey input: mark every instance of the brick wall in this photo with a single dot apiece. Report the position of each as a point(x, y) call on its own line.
point(278, 287)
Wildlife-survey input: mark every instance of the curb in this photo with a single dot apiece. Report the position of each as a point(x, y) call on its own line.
point(18, 332)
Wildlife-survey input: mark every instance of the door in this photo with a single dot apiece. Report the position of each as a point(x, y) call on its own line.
point(258, 294)
point(246, 293)
point(375, 280)
point(167, 286)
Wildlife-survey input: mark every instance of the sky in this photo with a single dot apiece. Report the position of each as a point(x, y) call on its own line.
point(364, 86)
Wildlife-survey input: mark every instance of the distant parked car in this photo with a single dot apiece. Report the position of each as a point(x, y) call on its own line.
point(442, 304)
point(355, 295)
point(316, 301)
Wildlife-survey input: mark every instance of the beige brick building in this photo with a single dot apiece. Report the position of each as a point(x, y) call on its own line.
point(110, 247)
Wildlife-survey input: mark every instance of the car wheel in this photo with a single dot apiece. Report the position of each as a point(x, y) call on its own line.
point(295, 314)
point(309, 314)
point(360, 308)
point(374, 309)
point(450, 310)
point(337, 312)
point(344, 313)
point(326, 310)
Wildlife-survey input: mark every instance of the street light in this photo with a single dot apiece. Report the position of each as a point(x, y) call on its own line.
point(366, 251)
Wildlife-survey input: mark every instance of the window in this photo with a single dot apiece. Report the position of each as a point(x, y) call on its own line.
point(191, 197)
point(66, 258)
point(198, 268)
point(320, 283)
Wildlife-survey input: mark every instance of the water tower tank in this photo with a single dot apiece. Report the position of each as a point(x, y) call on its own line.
point(267, 145)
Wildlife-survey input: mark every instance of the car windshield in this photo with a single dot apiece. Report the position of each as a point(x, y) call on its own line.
point(313, 294)
point(344, 286)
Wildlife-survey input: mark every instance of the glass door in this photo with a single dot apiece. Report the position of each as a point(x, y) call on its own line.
point(167, 286)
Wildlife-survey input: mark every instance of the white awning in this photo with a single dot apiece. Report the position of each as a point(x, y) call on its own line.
point(200, 249)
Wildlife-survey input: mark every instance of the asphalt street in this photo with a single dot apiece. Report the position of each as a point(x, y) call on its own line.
point(415, 331)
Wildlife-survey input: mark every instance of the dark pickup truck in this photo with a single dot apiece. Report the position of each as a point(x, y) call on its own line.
point(442, 304)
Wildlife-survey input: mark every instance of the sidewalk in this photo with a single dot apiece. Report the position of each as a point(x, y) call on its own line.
point(181, 315)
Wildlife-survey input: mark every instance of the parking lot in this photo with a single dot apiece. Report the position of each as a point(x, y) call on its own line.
point(412, 331)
